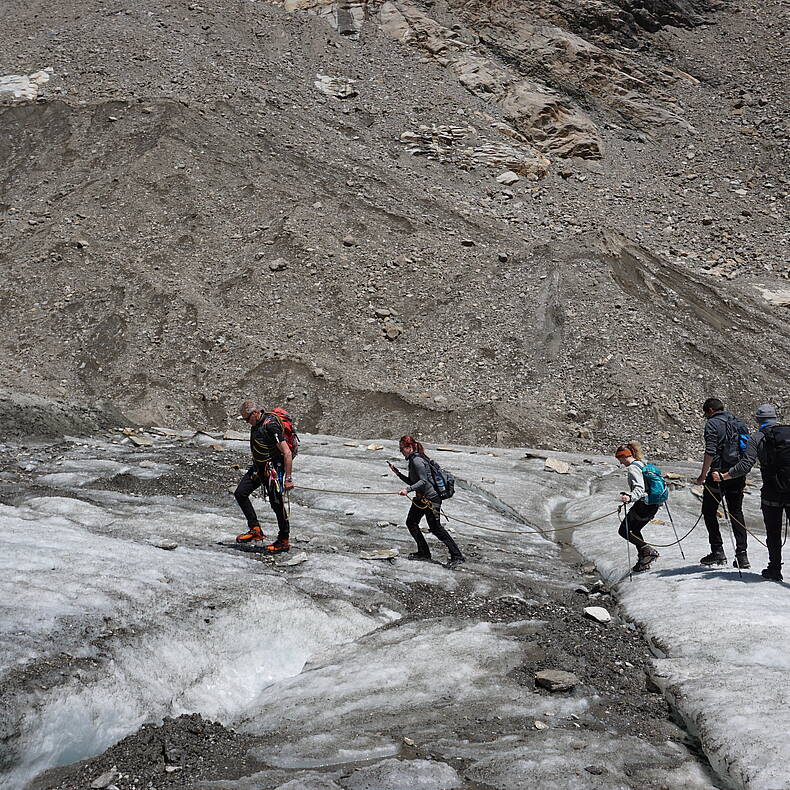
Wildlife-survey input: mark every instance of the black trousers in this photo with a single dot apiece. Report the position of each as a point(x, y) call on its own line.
point(639, 514)
point(732, 490)
point(431, 512)
point(274, 494)
point(772, 515)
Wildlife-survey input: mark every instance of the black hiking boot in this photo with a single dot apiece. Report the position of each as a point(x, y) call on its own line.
point(647, 556)
point(773, 573)
point(741, 561)
point(418, 557)
point(716, 557)
point(455, 562)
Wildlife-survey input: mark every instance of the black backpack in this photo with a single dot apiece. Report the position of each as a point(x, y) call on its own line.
point(443, 481)
point(776, 470)
point(736, 437)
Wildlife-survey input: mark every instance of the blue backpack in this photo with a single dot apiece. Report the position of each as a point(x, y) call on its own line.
point(655, 487)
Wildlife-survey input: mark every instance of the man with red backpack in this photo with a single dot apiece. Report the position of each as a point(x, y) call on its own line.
point(274, 443)
point(770, 444)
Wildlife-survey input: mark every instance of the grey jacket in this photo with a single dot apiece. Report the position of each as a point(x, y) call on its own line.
point(420, 479)
point(636, 481)
point(715, 435)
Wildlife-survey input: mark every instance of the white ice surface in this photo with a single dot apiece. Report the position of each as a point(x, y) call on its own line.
point(727, 637)
point(155, 633)
point(412, 774)
point(561, 761)
point(182, 630)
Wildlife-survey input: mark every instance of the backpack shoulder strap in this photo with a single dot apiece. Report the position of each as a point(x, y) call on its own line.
point(276, 417)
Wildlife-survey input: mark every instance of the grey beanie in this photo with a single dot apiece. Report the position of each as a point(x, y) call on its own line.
point(765, 412)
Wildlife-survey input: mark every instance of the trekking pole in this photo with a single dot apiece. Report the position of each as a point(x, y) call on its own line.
point(624, 507)
point(672, 522)
point(732, 530)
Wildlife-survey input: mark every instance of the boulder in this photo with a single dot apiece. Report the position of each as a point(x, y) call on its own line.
point(597, 613)
point(337, 87)
point(18, 88)
point(508, 178)
point(557, 465)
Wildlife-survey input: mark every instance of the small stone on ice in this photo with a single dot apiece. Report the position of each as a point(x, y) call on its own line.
point(297, 559)
point(556, 679)
point(167, 545)
point(558, 466)
point(380, 554)
point(598, 613)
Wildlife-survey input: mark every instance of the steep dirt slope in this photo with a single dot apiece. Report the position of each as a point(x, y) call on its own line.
point(211, 200)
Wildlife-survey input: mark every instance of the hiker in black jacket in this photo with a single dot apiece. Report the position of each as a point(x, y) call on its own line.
point(271, 468)
point(770, 445)
point(722, 449)
point(426, 503)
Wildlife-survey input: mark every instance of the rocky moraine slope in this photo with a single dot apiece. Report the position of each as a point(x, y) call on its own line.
point(487, 220)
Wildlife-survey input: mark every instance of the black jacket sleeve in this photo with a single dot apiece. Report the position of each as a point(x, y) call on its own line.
point(402, 476)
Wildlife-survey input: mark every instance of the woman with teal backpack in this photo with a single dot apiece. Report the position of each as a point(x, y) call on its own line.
point(647, 493)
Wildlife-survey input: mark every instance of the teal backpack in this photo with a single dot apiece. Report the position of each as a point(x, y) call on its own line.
point(655, 487)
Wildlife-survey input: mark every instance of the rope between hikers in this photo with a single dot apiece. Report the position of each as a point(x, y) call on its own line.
point(534, 530)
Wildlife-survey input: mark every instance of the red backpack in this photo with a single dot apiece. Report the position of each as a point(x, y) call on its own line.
point(289, 432)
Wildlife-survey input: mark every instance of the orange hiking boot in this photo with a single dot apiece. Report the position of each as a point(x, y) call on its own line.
point(278, 546)
point(253, 533)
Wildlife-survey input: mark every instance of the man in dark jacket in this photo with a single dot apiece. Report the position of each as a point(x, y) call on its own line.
point(774, 500)
point(722, 435)
point(271, 468)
